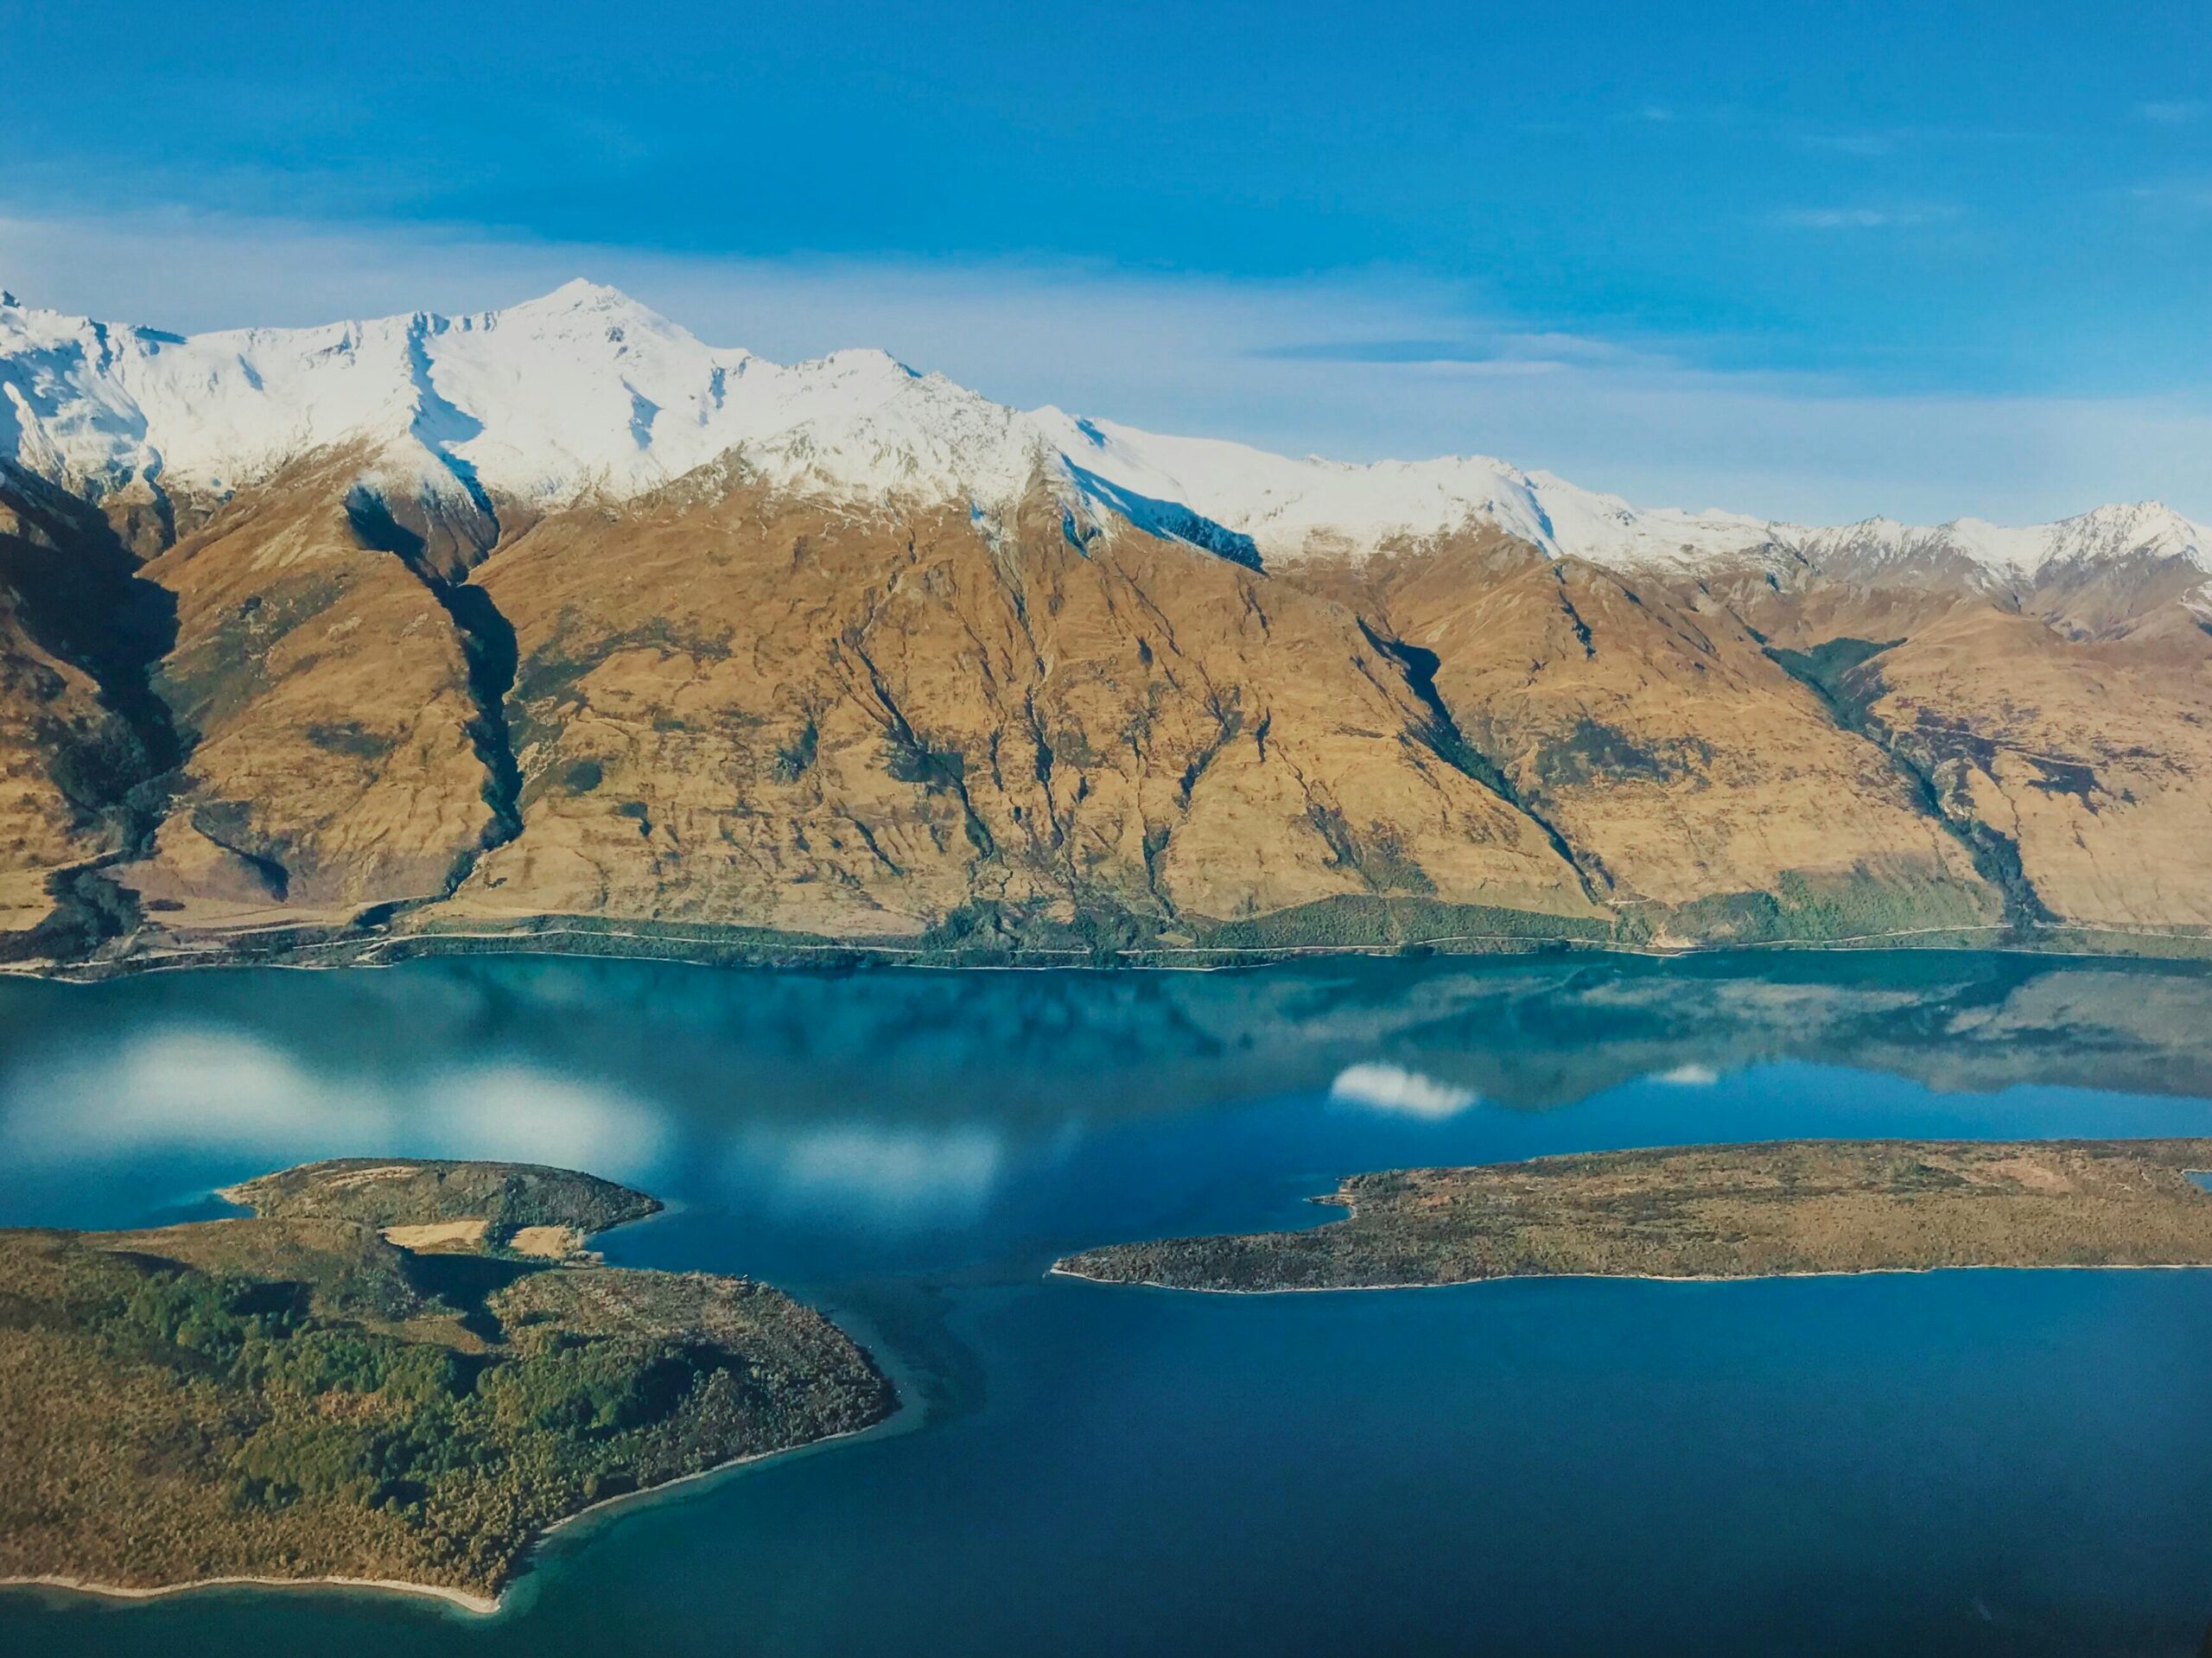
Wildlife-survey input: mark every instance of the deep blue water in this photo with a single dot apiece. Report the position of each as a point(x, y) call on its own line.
point(1955, 1462)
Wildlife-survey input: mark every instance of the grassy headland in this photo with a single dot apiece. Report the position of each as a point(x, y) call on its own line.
point(426, 1203)
point(1720, 1211)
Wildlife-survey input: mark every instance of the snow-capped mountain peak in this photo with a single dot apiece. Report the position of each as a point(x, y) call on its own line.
point(2147, 528)
point(585, 391)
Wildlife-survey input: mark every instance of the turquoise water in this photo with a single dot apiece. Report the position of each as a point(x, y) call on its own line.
point(1955, 1462)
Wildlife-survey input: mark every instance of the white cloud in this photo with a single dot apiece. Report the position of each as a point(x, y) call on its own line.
point(207, 1088)
point(1399, 1092)
point(1692, 1075)
point(1293, 365)
point(1861, 144)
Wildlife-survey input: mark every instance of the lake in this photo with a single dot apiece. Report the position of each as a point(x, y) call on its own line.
point(1961, 1463)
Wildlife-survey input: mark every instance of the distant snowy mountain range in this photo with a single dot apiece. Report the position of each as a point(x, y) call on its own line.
point(586, 393)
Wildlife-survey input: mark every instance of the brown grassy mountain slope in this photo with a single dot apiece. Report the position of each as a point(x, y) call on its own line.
point(2091, 758)
point(2062, 728)
point(730, 708)
point(325, 699)
point(722, 707)
point(49, 711)
point(1644, 721)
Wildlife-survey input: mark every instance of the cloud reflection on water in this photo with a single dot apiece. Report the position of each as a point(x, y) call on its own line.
point(1394, 1088)
point(905, 1102)
point(899, 1177)
point(211, 1087)
point(216, 1090)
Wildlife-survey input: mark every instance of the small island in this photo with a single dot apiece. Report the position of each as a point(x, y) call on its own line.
point(396, 1372)
point(1754, 1210)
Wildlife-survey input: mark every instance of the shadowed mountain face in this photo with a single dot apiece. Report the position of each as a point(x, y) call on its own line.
point(83, 742)
point(726, 704)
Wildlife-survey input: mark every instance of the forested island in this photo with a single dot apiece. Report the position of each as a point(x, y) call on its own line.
point(397, 1372)
point(1748, 1210)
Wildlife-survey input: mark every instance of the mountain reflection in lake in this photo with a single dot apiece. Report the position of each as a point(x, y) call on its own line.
point(1961, 1462)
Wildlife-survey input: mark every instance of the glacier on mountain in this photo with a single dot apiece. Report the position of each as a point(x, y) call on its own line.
point(586, 393)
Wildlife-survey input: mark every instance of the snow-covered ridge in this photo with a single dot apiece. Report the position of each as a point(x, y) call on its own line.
point(586, 392)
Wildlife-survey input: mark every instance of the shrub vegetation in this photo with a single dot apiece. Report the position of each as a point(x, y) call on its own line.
point(282, 1397)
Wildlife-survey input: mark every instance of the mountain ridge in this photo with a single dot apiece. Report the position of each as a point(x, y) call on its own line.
point(554, 627)
point(585, 392)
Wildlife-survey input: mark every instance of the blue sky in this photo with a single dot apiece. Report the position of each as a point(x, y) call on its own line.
point(1815, 261)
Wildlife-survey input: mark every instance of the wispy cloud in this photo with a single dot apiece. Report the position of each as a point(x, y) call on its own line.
point(894, 1176)
point(2174, 112)
point(2191, 194)
point(1918, 136)
point(215, 1088)
point(1503, 351)
point(1649, 114)
point(1862, 219)
point(1862, 144)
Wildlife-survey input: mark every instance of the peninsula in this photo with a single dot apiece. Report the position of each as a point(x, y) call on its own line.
point(397, 1372)
point(1750, 1210)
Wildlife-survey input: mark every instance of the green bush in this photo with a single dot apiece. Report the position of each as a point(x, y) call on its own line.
point(350, 1361)
point(209, 1318)
point(590, 1388)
